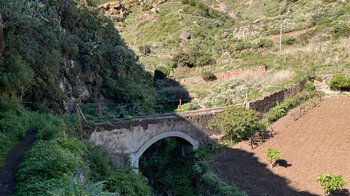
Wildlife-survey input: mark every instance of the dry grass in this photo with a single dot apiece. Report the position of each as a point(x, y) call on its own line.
point(254, 84)
point(324, 57)
point(270, 78)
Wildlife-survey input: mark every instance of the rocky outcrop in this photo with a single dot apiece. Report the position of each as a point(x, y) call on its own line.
point(77, 87)
point(1, 38)
point(115, 8)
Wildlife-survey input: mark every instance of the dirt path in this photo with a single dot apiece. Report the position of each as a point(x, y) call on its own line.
point(317, 143)
point(12, 161)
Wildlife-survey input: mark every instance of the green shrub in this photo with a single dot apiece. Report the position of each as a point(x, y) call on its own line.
point(188, 107)
point(50, 127)
point(183, 59)
point(219, 187)
point(276, 113)
point(237, 123)
point(330, 182)
point(128, 182)
point(273, 155)
point(204, 59)
point(281, 109)
point(265, 43)
point(208, 76)
point(195, 57)
point(340, 82)
point(288, 40)
point(341, 30)
point(14, 123)
point(46, 167)
point(309, 86)
point(242, 45)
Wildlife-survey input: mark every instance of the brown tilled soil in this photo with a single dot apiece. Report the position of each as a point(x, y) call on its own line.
point(317, 143)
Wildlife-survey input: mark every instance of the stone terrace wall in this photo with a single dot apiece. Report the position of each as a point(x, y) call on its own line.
point(263, 105)
point(224, 76)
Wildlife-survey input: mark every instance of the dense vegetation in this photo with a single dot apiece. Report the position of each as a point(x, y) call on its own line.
point(58, 51)
point(57, 160)
point(237, 123)
point(171, 169)
point(14, 123)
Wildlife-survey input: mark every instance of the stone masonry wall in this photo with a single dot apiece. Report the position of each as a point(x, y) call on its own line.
point(263, 105)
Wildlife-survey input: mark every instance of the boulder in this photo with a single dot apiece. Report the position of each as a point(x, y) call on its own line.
point(224, 35)
point(114, 8)
point(233, 15)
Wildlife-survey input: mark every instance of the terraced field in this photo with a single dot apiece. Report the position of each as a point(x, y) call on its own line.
point(317, 143)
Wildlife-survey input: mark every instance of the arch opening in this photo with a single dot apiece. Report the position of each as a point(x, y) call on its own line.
point(134, 158)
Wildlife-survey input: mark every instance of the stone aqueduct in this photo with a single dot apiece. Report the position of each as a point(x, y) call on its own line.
point(134, 137)
point(128, 139)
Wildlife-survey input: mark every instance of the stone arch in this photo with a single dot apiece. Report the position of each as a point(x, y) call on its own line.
point(134, 158)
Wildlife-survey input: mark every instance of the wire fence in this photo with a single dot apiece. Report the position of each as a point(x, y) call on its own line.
point(104, 110)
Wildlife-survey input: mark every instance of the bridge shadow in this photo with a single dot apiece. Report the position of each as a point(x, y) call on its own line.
point(241, 169)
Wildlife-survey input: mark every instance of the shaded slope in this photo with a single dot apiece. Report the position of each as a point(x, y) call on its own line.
point(12, 161)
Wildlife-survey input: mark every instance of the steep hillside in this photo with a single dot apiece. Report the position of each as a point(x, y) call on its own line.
point(184, 38)
point(218, 28)
point(61, 52)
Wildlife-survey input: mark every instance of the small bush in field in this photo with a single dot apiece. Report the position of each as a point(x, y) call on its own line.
point(340, 82)
point(208, 76)
point(309, 86)
point(273, 155)
point(331, 183)
point(341, 30)
point(289, 40)
point(265, 43)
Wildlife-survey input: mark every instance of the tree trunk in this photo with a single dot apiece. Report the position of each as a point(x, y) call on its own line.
point(1, 38)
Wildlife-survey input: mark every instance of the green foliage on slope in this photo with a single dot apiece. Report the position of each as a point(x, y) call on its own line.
point(14, 123)
point(47, 41)
point(56, 158)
